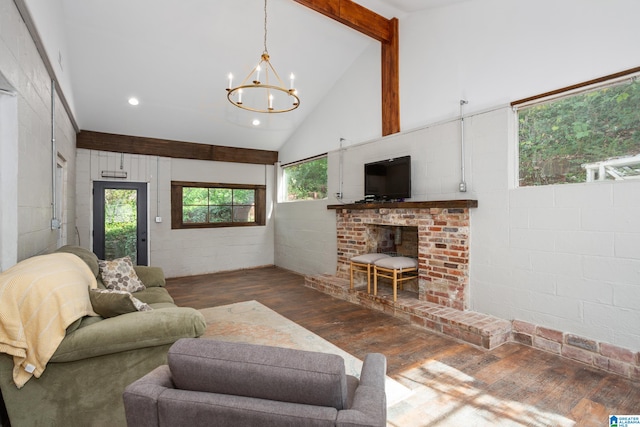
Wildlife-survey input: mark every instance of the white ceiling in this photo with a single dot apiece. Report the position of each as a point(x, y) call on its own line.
point(175, 57)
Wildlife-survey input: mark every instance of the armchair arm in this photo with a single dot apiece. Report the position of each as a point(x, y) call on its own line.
point(141, 397)
point(369, 406)
point(374, 370)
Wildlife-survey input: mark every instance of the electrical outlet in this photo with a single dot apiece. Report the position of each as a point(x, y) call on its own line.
point(158, 219)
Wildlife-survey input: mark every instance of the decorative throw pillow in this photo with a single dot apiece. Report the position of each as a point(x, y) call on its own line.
point(110, 303)
point(120, 275)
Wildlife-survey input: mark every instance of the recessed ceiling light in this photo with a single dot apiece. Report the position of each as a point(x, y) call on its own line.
point(255, 122)
point(134, 101)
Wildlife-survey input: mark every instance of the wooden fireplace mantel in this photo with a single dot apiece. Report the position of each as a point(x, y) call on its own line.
point(443, 204)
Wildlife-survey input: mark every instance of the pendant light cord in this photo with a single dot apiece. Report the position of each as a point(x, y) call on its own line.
point(265, 27)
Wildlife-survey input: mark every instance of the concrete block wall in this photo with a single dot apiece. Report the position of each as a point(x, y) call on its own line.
point(562, 257)
point(22, 67)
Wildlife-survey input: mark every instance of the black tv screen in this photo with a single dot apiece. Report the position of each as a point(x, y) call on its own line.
point(388, 179)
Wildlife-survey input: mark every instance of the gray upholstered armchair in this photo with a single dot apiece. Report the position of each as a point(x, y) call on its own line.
point(209, 382)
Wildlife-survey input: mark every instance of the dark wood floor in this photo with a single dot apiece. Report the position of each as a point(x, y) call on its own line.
point(510, 385)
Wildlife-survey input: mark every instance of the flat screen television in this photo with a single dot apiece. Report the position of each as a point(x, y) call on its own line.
point(388, 179)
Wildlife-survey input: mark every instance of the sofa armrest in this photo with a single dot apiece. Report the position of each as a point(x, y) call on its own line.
point(150, 276)
point(369, 406)
point(141, 397)
point(131, 331)
point(374, 370)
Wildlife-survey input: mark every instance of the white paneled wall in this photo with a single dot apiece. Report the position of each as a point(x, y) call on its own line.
point(181, 252)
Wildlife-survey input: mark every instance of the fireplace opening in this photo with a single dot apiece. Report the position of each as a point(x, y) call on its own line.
point(395, 240)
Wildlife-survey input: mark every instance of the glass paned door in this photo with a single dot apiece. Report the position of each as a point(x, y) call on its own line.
point(120, 220)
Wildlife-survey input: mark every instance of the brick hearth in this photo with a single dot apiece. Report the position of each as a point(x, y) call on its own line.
point(479, 329)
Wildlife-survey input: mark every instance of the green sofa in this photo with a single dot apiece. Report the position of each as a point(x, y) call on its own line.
point(83, 382)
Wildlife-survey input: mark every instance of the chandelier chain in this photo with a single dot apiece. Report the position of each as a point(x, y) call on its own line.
point(265, 27)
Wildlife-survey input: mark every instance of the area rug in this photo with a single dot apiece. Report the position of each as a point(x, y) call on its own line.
point(254, 323)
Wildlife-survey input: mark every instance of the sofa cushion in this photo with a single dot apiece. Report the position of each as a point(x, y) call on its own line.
point(263, 372)
point(119, 274)
point(150, 276)
point(110, 303)
point(154, 296)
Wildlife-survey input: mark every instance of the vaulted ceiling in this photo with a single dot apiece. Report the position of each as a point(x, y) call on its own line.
point(174, 56)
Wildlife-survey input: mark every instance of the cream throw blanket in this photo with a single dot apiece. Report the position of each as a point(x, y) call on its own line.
point(39, 298)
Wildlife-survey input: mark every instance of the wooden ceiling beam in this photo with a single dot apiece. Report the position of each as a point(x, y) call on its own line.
point(353, 16)
point(175, 149)
point(379, 28)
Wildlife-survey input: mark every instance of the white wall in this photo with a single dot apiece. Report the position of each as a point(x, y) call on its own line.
point(24, 70)
point(182, 252)
point(8, 175)
point(564, 257)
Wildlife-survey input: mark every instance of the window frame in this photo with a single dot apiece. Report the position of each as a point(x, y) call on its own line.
point(177, 204)
point(563, 93)
point(284, 196)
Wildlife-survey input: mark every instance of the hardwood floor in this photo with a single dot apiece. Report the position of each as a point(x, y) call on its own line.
point(454, 382)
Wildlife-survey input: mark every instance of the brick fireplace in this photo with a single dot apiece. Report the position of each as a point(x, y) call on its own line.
point(441, 243)
point(440, 299)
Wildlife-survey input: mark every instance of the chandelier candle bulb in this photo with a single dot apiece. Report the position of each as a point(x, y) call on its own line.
point(239, 96)
point(270, 102)
point(292, 77)
point(257, 80)
point(230, 80)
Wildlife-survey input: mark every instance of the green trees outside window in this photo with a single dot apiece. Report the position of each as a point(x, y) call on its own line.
point(211, 205)
point(562, 140)
point(206, 205)
point(307, 180)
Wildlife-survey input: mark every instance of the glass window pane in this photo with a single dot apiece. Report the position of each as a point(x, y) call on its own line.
point(589, 136)
point(244, 214)
point(120, 223)
point(306, 181)
point(220, 196)
point(194, 214)
point(195, 196)
point(243, 197)
point(220, 214)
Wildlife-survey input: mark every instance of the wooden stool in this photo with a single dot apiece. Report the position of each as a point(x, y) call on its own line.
point(365, 263)
point(393, 268)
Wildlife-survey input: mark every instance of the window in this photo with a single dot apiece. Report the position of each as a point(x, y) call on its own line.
point(306, 180)
point(205, 205)
point(589, 132)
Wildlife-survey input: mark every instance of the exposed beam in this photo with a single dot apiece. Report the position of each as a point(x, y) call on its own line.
point(385, 31)
point(175, 149)
point(354, 16)
point(391, 83)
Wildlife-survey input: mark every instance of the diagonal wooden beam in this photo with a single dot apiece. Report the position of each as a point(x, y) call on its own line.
point(353, 16)
point(379, 28)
